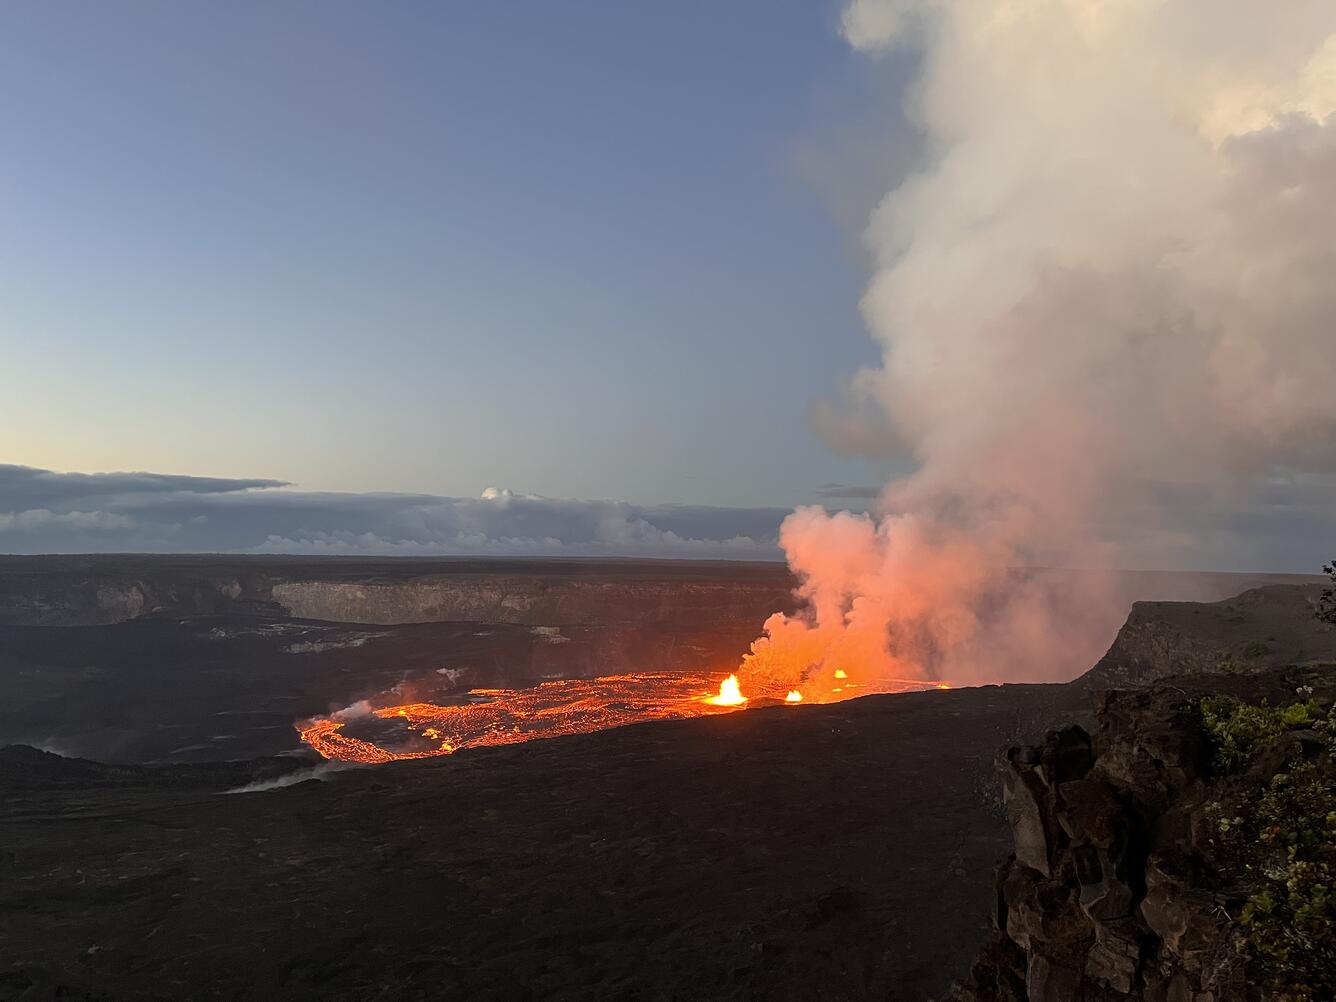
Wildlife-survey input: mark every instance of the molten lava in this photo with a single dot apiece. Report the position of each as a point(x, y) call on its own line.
point(566, 706)
point(509, 716)
point(730, 693)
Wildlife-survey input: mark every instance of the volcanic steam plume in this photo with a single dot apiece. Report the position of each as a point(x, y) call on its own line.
point(1105, 305)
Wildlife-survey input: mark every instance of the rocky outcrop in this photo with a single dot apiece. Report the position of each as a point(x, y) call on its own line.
point(1119, 886)
point(1266, 627)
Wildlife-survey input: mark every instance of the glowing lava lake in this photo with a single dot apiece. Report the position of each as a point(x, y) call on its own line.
point(565, 706)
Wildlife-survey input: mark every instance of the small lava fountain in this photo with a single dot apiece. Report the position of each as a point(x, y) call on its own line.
point(730, 693)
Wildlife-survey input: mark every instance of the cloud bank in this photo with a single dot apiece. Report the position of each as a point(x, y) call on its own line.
point(42, 511)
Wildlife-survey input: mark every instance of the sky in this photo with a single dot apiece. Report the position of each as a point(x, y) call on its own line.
point(572, 250)
point(641, 278)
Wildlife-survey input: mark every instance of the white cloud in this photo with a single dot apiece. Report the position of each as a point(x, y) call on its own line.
point(152, 513)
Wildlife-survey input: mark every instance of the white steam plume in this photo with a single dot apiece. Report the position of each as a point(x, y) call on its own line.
point(1108, 300)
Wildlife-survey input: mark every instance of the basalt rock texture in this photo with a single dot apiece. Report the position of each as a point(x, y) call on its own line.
point(1120, 884)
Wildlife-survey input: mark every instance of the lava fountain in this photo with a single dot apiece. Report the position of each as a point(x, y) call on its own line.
point(730, 693)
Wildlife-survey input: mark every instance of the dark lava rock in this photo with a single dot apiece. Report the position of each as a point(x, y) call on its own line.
point(1116, 888)
point(815, 853)
point(1264, 627)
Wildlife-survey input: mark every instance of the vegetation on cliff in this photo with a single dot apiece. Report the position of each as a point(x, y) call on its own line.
point(1277, 833)
point(1326, 608)
point(1186, 851)
point(1240, 730)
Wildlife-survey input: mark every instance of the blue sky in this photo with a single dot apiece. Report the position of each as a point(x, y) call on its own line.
point(329, 271)
point(576, 250)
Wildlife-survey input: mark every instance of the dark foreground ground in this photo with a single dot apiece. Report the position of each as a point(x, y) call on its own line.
point(838, 852)
point(810, 853)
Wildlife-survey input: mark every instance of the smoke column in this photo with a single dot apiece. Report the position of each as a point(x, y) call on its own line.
point(1105, 307)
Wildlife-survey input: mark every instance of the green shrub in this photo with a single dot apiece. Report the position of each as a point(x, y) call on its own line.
point(1282, 842)
point(1257, 649)
point(1326, 606)
point(1291, 916)
point(1240, 730)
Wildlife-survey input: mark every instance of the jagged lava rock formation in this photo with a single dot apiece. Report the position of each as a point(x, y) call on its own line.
point(1120, 885)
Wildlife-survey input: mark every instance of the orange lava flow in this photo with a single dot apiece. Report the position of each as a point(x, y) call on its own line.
point(552, 709)
point(509, 716)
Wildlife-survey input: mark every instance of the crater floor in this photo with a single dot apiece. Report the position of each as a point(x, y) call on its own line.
point(825, 852)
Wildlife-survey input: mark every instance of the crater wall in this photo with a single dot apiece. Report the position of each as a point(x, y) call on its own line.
point(97, 591)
